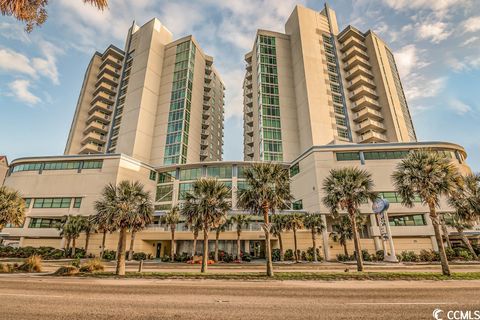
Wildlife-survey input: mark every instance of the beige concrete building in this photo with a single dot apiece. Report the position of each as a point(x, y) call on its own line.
point(3, 168)
point(167, 106)
point(56, 186)
point(94, 112)
point(314, 85)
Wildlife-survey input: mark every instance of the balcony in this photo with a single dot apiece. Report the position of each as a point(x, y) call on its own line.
point(354, 52)
point(206, 114)
point(370, 124)
point(249, 151)
point(357, 61)
point(249, 131)
point(359, 81)
point(107, 78)
point(365, 102)
point(101, 106)
point(110, 70)
point(102, 96)
point(205, 133)
point(96, 115)
point(373, 136)
point(356, 71)
point(91, 148)
point(207, 96)
point(249, 111)
point(95, 126)
point(104, 87)
point(248, 75)
point(205, 124)
point(249, 140)
point(208, 78)
point(248, 120)
point(95, 137)
point(367, 113)
point(352, 41)
point(110, 60)
point(203, 144)
point(248, 92)
point(249, 102)
point(203, 153)
point(362, 91)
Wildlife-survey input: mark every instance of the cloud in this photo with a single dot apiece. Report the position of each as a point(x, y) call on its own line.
point(407, 59)
point(438, 7)
point(435, 32)
point(470, 40)
point(459, 107)
point(20, 89)
point(466, 64)
point(13, 61)
point(47, 66)
point(420, 87)
point(472, 24)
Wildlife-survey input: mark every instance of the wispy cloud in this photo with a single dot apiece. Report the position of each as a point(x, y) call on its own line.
point(20, 89)
point(472, 24)
point(459, 107)
point(13, 61)
point(435, 31)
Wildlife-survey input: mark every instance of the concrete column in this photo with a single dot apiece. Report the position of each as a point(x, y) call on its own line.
point(376, 239)
point(326, 248)
point(246, 246)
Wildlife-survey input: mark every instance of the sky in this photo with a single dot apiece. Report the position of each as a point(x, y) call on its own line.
point(436, 46)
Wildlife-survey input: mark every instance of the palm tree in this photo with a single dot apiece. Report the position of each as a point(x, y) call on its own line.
point(443, 225)
point(196, 227)
point(219, 229)
point(278, 226)
point(428, 175)
point(346, 189)
point(466, 203)
point(12, 207)
point(142, 218)
point(240, 221)
point(34, 13)
point(208, 205)
point(101, 225)
point(62, 227)
point(71, 227)
point(343, 232)
point(314, 222)
point(295, 222)
point(172, 218)
point(268, 191)
point(88, 227)
point(123, 206)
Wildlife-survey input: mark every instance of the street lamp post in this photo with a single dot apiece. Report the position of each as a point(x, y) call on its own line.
point(380, 207)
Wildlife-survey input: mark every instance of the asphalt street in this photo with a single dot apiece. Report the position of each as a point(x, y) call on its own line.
point(44, 297)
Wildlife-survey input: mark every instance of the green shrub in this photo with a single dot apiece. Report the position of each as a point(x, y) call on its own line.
point(275, 255)
point(409, 256)
point(66, 271)
point(450, 253)
point(184, 257)
point(309, 255)
point(165, 258)
point(76, 263)
point(139, 256)
point(366, 256)
point(427, 255)
point(92, 266)
point(288, 255)
point(343, 257)
point(246, 257)
point(109, 254)
point(463, 253)
point(32, 264)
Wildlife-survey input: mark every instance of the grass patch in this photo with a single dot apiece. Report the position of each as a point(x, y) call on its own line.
point(320, 276)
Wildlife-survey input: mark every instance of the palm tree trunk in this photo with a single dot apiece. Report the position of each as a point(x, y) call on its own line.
point(172, 244)
point(438, 237)
point(87, 240)
point(268, 251)
point(238, 246)
point(345, 248)
point(467, 243)
point(314, 241)
point(445, 232)
point(132, 242)
point(356, 240)
point(194, 245)
point(205, 249)
point(122, 245)
point(217, 235)
point(295, 243)
point(280, 241)
point(104, 237)
point(67, 248)
point(73, 247)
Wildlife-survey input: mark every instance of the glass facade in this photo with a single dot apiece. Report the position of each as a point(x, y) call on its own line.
point(176, 145)
point(407, 220)
point(59, 165)
point(269, 101)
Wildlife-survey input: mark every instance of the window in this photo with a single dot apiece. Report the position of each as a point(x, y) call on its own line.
point(164, 192)
point(97, 164)
point(27, 202)
point(297, 205)
point(343, 133)
point(242, 185)
point(347, 156)
point(385, 155)
point(52, 202)
point(27, 167)
point(294, 170)
point(153, 175)
point(190, 174)
point(340, 121)
point(44, 222)
point(220, 172)
point(166, 206)
point(407, 220)
point(77, 202)
point(62, 165)
point(394, 197)
point(164, 177)
point(184, 189)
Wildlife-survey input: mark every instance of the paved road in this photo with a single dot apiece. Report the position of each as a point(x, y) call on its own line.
point(41, 297)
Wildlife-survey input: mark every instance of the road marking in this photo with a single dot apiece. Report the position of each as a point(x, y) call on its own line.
point(29, 295)
point(400, 303)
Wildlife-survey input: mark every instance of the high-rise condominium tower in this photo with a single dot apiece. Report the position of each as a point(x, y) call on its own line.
point(314, 85)
point(159, 101)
